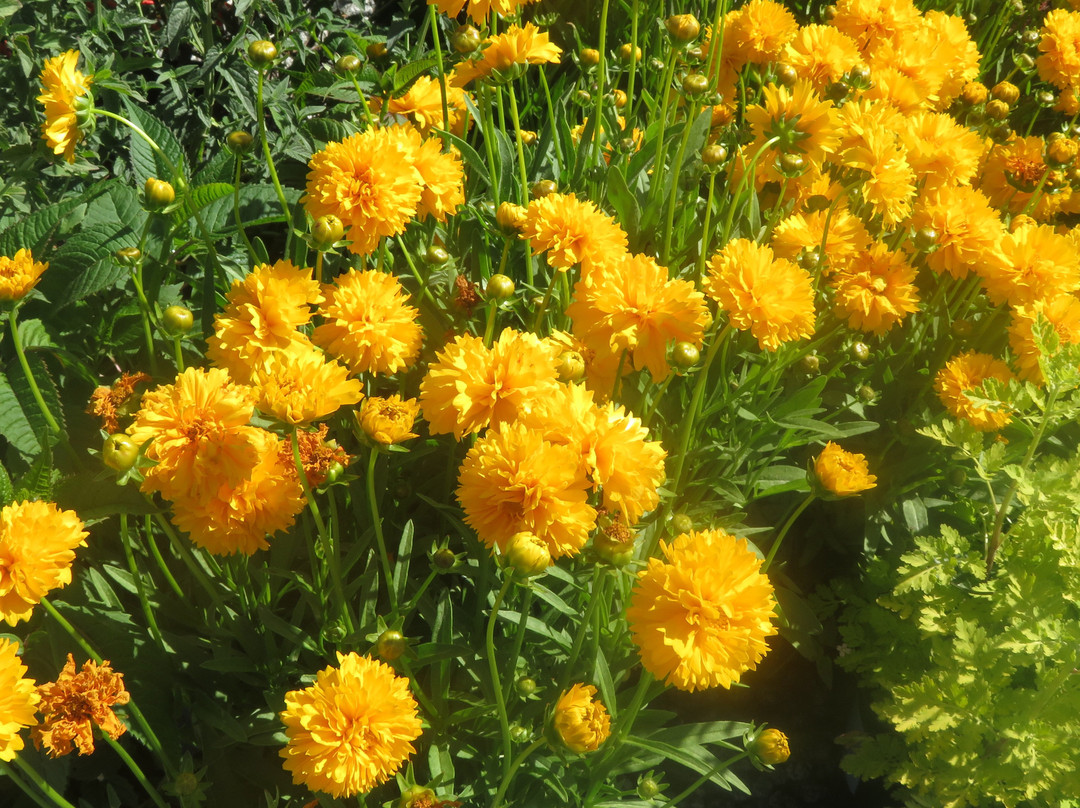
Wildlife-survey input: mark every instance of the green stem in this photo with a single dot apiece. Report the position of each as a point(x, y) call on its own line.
point(705, 240)
point(270, 160)
point(158, 800)
point(318, 265)
point(34, 389)
point(169, 164)
point(520, 147)
point(179, 353)
point(496, 682)
point(680, 155)
point(488, 125)
point(236, 212)
point(363, 102)
point(723, 765)
point(140, 586)
point(424, 291)
point(601, 76)
point(748, 175)
point(519, 636)
point(665, 88)
point(39, 781)
point(784, 530)
point(634, 13)
point(583, 627)
point(508, 777)
point(656, 400)
point(542, 308)
point(442, 69)
point(144, 311)
point(552, 123)
point(373, 503)
point(149, 529)
point(188, 559)
point(489, 325)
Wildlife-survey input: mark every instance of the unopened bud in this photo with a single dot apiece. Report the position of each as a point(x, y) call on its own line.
point(682, 28)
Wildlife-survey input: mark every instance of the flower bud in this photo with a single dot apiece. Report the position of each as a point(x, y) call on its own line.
point(543, 188)
point(685, 354)
point(810, 259)
point(866, 393)
point(682, 28)
point(925, 238)
point(681, 523)
point(436, 256)
point(1024, 62)
point(418, 797)
point(177, 320)
point(811, 363)
point(119, 452)
point(239, 142)
point(158, 194)
point(527, 554)
point(620, 99)
point(1045, 98)
point(519, 734)
point(510, 218)
point(525, 686)
point(571, 366)
point(326, 231)
point(695, 84)
point(1005, 91)
point(771, 747)
point(528, 137)
point(858, 77)
point(792, 165)
point(262, 53)
point(786, 75)
point(714, 154)
point(466, 39)
point(445, 560)
point(590, 57)
point(1030, 36)
point(1061, 151)
point(973, 93)
point(390, 645)
point(582, 98)
point(860, 351)
point(627, 51)
point(648, 788)
point(499, 287)
point(347, 64)
point(376, 50)
point(1020, 220)
point(128, 256)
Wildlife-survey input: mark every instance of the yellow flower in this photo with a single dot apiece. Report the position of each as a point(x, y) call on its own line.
point(1038, 264)
point(1059, 59)
point(527, 554)
point(352, 729)
point(238, 515)
point(843, 473)
point(422, 105)
point(37, 547)
point(966, 372)
point(941, 151)
point(822, 55)
point(299, 386)
point(700, 618)
point(770, 297)
point(572, 232)
point(876, 290)
point(18, 700)
point(77, 702)
point(581, 720)
point(368, 323)
point(262, 314)
point(804, 123)
point(442, 176)
point(631, 305)
point(957, 50)
point(469, 387)
point(61, 85)
point(968, 229)
point(508, 53)
point(1010, 174)
point(199, 432)
point(479, 10)
point(1063, 312)
point(513, 480)
point(370, 182)
point(759, 31)
point(19, 275)
point(873, 22)
point(389, 420)
point(771, 747)
point(845, 239)
point(888, 181)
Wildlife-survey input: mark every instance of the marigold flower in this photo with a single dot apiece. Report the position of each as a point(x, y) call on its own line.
point(513, 480)
point(527, 554)
point(700, 618)
point(389, 420)
point(199, 432)
point(843, 473)
point(370, 182)
point(352, 729)
point(632, 305)
point(77, 702)
point(37, 547)
point(300, 385)
point(968, 229)
point(888, 181)
point(966, 372)
point(469, 386)
point(111, 403)
point(1059, 59)
point(956, 49)
point(1010, 174)
point(61, 86)
point(822, 55)
point(572, 231)
point(770, 297)
point(19, 275)
point(581, 720)
point(804, 124)
point(508, 53)
point(368, 323)
point(1063, 312)
point(444, 181)
point(876, 290)
point(18, 700)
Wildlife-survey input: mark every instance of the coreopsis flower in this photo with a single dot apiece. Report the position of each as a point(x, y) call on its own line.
point(368, 323)
point(771, 747)
point(61, 87)
point(469, 387)
point(876, 290)
point(632, 305)
point(572, 231)
point(18, 700)
point(871, 22)
point(759, 31)
point(956, 49)
point(701, 616)
point(1037, 264)
point(370, 182)
point(964, 373)
point(822, 55)
point(479, 10)
point(239, 515)
point(508, 53)
point(1063, 312)
point(909, 70)
point(1059, 49)
point(1011, 173)
point(770, 297)
point(941, 151)
point(77, 702)
point(442, 176)
point(581, 720)
point(845, 239)
point(19, 275)
point(422, 104)
point(843, 473)
point(513, 480)
point(888, 182)
point(262, 314)
point(804, 124)
point(350, 730)
point(318, 455)
point(301, 385)
point(37, 547)
point(389, 420)
point(198, 432)
point(111, 403)
point(968, 229)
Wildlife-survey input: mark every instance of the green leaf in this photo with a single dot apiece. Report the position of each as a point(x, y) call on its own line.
point(36, 230)
point(15, 427)
point(622, 199)
point(144, 162)
point(475, 162)
point(7, 490)
point(405, 75)
point(39, 480)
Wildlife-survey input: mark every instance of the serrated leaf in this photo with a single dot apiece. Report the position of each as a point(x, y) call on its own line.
point(144, 162)
point(36, 230)
point(39, 480)
point(7, 490)
point(405, 75)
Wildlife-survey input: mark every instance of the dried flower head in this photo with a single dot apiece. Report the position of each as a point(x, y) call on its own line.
point(77, 702)
point(110, 404)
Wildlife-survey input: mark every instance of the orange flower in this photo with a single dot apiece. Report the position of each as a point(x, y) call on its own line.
point(572, 231)
point(317, 454)
point(111, 403)
point(941, 151)
point(388, 421)
point(507, 54)
point(968, 229)
point(422, 105)
point(846, 237)
point(300, 385)
point(876, 290)
point(19, 275)
point(77, 702)
point(759, 31)
point(967, 372)
point(843, 473)
point(1059, 59)
point(872, 22)
point(479, 10)
point(822, 55)
point(1038, 264)
point(804, 124)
